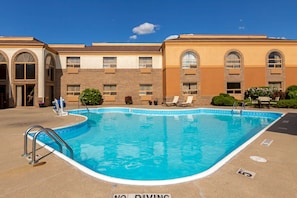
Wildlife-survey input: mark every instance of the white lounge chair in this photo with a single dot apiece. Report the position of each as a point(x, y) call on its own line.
point(187, 103)
point(174, 101)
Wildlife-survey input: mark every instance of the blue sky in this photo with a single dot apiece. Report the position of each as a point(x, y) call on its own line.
point(117, 21)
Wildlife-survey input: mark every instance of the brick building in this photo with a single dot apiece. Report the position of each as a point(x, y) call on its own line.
point(32, 71)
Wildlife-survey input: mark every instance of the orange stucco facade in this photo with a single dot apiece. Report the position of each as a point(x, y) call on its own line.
point(213, 74)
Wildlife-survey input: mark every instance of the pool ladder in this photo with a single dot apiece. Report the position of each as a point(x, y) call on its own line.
point(36, 130)
point(84, 103)
point(234, 108)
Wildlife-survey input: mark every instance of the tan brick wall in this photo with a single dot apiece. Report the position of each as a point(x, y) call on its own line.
point(127, 81)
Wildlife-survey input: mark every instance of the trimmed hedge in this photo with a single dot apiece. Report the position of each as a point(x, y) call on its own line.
point(223, 100)
point(287, 104)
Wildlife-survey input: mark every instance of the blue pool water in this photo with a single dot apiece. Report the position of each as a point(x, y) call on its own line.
point(146, 145)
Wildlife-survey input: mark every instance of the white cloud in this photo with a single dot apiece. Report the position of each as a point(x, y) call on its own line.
point(133, 37)
point(145, 28)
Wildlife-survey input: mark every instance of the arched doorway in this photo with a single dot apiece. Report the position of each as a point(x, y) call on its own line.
point(3, 82)
point(50, 67)
point(25, 79)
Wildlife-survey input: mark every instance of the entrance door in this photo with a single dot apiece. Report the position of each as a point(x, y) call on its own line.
point(25, 95)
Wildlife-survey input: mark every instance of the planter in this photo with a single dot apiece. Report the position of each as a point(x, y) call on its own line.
point(41, 105)
point(128, 100)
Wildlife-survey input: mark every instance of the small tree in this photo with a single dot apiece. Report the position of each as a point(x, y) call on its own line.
point(91, 97)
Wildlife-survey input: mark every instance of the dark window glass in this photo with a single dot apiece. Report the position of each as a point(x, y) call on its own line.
point(19, 71)
point(30, 71)
point(233, 85)
point(52, 73)
point(3, 71)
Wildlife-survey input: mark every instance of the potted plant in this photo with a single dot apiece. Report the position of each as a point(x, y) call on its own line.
point(41, 104)
point(128, 100)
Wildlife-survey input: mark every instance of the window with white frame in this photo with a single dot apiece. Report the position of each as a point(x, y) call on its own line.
point(233, 88)
point(109, 62)
point(110, 89)
point(274, 60)
point(190, 88)
point(189, 60)
point(233, 60)
point(73, 90)
point(73, 62)
point(145, 89)
point(145, 62)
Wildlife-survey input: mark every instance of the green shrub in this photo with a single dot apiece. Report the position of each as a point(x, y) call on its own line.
point(287, 104)
point(291, 92)
point(91, 97)
point(223, 100)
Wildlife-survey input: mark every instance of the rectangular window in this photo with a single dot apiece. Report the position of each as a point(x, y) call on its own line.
point(30, 71)
point(189, 88)
point(275, 85)
point(145, 62)
point(19, 71)
point(109, 62)
point(3, 71)
point(235, 63)
point(110, 89)
point(73, 62)
point(145, 89)
point(51, 73)
point(73, 90)
point(233, 88)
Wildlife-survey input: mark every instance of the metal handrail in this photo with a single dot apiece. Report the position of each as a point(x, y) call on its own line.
point(235, 104)
point(84, 103)
point(61, 140)
point(51, 133)
point(26, 137)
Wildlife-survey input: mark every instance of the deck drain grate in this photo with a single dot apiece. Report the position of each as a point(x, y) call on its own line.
point(267, 142)
point(246, 173)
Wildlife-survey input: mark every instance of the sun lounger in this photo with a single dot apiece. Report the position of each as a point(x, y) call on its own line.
point(174, 101)
point(187, 103)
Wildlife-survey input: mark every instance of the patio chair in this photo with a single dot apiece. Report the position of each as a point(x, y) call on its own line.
point(187, 103)
point(174, 101)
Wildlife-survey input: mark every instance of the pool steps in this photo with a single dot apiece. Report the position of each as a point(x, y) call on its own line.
point(36, 130)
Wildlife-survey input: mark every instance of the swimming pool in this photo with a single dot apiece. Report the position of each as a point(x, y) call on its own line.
point(154, 147)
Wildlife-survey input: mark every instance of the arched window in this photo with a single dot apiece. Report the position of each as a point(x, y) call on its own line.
point(189, 60)
point(233, 60)
point(274, 60)
point(3, 67)
point(50, 68)
point(24, 66)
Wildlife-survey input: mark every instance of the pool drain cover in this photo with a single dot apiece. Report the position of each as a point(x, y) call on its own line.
point(246, 173)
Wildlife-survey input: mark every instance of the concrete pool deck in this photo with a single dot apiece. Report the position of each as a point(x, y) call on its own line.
point(55, 177)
